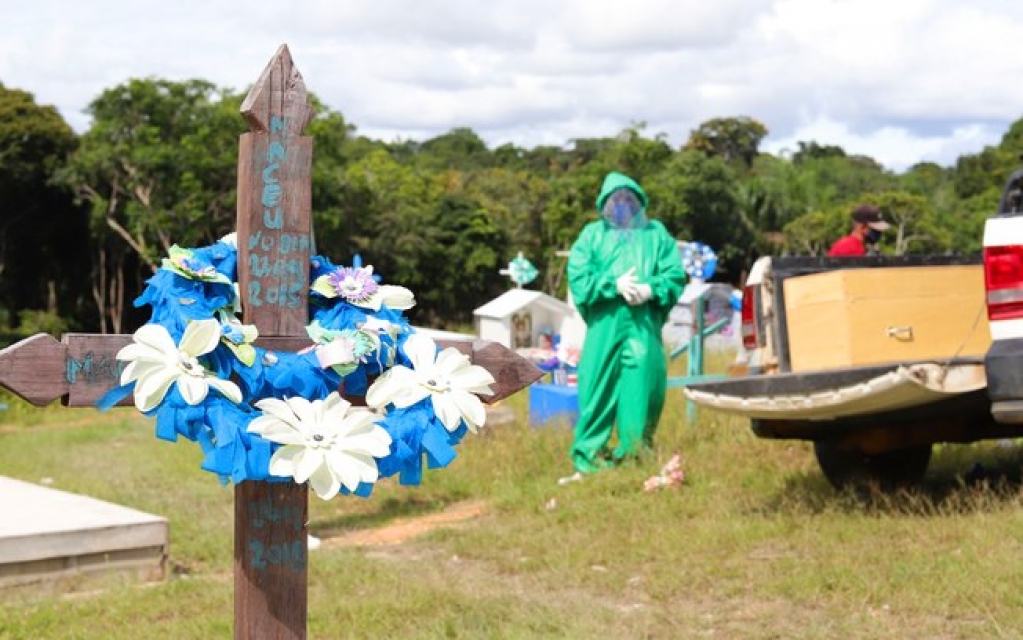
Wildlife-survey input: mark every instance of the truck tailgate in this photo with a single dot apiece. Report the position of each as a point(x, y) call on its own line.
point(840, 393)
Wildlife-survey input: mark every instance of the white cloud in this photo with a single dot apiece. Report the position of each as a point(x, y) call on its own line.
point(894, 147)
point(901, 80)
point(643, 26)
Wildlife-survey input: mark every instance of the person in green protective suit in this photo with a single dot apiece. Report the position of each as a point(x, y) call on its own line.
point(625, 274)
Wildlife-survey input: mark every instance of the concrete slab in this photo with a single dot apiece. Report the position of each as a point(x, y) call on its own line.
point(47, 534)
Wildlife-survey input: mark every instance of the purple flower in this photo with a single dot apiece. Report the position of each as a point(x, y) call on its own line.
point(352, 283)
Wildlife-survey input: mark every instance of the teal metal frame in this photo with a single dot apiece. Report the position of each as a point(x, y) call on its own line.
point(694, 368)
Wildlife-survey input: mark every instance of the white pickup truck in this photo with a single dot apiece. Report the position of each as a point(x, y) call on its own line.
point(1003, 284)
point(876, 359)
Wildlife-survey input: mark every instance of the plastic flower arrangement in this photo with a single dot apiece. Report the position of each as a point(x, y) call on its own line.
point(277, 416)
point(699, 261)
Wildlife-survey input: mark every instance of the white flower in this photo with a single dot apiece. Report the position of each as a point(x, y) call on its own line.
point(391, 296)
point(324, 442)
point(155, 362)
point(448, 378)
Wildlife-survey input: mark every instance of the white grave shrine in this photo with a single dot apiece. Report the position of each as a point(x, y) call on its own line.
point(518, 317)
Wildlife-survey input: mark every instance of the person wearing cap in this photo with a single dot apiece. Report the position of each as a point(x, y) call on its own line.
point(625, 275)
point(867, 228)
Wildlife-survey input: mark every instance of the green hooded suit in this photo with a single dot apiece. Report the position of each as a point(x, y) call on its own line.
point(622, 370)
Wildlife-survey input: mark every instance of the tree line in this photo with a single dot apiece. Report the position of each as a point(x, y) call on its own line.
point(86, 218)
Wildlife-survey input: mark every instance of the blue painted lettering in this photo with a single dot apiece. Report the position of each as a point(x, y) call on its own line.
point(254, 294)
point(291, 242)
point(257, 265)
point(276, 151)
point(268, 174)
point(92, 369)
point(271, 194)
point(277, 221)
point(264, 511)
point(290, 555)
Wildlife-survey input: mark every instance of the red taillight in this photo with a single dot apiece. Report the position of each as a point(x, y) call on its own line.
point(1003, 281)
point(747, 313)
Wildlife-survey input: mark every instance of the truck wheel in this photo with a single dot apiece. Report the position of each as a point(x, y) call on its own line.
point(887, 471)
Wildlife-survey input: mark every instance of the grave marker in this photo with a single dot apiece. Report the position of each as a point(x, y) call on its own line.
point(275, 241)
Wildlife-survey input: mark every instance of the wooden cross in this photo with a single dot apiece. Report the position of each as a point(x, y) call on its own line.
point(275, 240)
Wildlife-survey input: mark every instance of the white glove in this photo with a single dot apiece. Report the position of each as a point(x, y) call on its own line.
point(643, 294)
point(626, 285)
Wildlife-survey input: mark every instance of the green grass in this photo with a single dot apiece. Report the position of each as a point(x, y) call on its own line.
point(755, 544)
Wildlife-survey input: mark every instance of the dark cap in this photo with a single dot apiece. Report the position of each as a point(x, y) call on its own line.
point(869, 215)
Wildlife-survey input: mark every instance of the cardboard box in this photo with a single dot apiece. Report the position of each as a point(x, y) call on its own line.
point(856, 317)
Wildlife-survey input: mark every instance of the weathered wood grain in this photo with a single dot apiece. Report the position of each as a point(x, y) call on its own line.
point(274, 245)
point(270, 560)
point(275, 201)
point(33, 369)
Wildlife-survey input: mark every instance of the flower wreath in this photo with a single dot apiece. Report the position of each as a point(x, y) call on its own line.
point(699, 260)
point(268, 415)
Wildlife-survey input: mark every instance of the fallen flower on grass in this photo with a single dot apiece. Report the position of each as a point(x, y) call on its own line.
point(671, 475)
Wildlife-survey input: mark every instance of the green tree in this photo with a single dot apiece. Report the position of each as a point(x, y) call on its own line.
point(635, 155)
point(460, 148)
point(773, 193)
point(734, 139)
point(515, 201)
point(417, 233)
point(335, 217)
point(43, 234)
point(813, 233)
point(915, 227)
point(985, 173)
point(695, 196)
point(814, 151)
point(834, 180)
point(157, 167)
point(931, 181)
point(460, 266)
point(444, 246)
point(978, 173)
point(572, 204)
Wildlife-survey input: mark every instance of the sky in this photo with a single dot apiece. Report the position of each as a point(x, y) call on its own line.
point(902, 81)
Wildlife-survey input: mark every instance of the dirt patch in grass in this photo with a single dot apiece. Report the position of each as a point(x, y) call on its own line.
point(403, 529)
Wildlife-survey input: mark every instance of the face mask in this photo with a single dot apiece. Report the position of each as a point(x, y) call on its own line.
point(621, 208)
point(873, 236)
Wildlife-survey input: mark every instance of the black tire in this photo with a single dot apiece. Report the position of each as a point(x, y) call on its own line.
point(887, 471)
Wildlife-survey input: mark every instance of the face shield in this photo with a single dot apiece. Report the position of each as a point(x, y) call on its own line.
point(623, 209)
